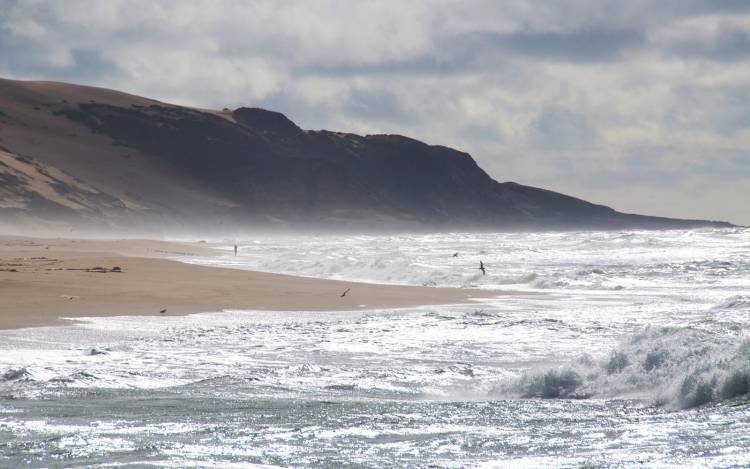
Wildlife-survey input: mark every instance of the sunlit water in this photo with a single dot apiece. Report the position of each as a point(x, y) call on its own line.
point(621, 348)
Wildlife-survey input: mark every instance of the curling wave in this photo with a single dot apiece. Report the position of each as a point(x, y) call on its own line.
point(675, 367)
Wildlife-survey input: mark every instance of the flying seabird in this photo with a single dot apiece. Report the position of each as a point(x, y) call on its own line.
point(345, 292)
point(481, 267)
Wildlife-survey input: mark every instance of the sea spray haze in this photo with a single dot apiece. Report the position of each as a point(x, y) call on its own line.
point(616, 346)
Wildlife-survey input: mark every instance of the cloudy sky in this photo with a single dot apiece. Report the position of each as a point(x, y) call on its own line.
point(641, 105)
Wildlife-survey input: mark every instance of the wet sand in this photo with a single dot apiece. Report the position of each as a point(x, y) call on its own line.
point(43, 281)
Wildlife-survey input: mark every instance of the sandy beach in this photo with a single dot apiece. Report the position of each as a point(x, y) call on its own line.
point(45, 280)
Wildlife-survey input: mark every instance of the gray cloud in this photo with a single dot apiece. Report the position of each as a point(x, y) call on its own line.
point(376, 104)
point(725, 108)
point(562, 129)
point(37, 46)
point(728, 44)
point(82, 65)
point(645, 168)
point(423, 65)
point(484, 51)
point(86, 64)
point(702, 7)
point(585, 45)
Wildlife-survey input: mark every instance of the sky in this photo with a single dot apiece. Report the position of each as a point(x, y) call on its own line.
point(640, 105)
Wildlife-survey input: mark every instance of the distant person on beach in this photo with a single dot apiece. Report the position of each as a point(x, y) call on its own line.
point(235, 249)
point(481, 267)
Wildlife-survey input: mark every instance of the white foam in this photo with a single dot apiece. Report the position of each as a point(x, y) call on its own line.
point(611, 301)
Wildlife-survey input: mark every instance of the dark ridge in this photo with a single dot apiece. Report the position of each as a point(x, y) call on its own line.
point(270, 167)
point(259, 167)
point(266, 121)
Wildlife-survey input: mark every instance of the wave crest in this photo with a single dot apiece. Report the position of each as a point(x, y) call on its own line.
point(676, 367)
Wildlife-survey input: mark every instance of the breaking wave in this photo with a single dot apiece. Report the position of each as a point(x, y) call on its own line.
point(738, 302)
point(675, 367)
point(16, 374)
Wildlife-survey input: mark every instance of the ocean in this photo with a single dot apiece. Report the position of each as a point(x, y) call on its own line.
point(618, 349)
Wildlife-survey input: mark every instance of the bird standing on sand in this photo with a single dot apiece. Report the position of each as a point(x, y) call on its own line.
point(481, 267)
point(345, 292)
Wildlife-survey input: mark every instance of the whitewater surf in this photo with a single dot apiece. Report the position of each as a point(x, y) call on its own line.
point(619, 345)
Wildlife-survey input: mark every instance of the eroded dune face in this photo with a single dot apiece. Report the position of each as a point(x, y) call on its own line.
point(34, 194)
point(28, 183)
point(124, 160)
point(57, 172)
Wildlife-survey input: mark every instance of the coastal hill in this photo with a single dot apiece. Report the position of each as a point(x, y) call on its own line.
point(81, 156)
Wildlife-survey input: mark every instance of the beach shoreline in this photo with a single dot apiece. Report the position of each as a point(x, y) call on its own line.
point(43, 281)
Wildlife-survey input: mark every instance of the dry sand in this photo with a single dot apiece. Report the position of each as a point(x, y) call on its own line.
point(42, 281)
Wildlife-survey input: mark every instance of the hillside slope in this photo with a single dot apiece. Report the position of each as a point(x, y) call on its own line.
point(100, 158)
